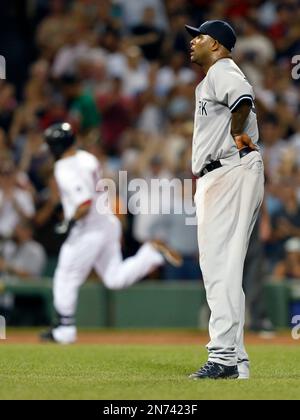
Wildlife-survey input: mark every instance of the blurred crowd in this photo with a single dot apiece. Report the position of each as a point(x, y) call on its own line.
point(119, 71)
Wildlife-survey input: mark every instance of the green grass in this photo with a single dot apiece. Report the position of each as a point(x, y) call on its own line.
point(139, 372)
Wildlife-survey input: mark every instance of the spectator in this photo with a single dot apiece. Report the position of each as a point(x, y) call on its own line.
point(50, 32)
point(49, 213)
point(253, 45)
point(285, 30)
point(151, 120)
point(182, 233)
point(114, 45)
point(83, 109)
point(147, 225)
point(272, 135)
point(148, 36)
point(26, 115)
point(111, 104)
point(4, 146)
point(174, 74)
point(285, 222)
point(289, 267)
point(15, 202)
point(135, 72)
point(132, 11)
point(8, 104)
point(69, 54)
point(254, 50)
point(23, 257)
point(35, 159)
point(267, 13)
point(177, 39)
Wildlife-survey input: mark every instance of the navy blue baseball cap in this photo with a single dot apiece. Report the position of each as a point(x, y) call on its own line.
point(217, 29)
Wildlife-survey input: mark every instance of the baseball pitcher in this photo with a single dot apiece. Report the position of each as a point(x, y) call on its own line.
point(230, 189)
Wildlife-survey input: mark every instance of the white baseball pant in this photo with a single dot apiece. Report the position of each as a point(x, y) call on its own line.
point(228, 200)
point(98, 248)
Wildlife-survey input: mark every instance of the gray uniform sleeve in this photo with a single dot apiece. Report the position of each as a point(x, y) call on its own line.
point(231, 87)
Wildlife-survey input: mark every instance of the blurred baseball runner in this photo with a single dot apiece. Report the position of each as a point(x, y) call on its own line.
point(229, 192)
point(93, 239)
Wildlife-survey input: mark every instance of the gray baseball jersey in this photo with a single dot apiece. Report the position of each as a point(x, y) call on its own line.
point(219, 93)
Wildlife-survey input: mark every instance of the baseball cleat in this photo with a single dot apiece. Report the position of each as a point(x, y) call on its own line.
point(61, 335)
point(170, 255)
point(213, 370)
point(47, 336)
point(244, 369)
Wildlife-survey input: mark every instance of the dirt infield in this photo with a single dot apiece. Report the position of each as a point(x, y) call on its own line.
point(157, 337)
